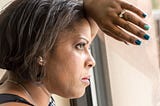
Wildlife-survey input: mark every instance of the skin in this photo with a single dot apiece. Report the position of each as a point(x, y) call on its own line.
point(71, 62)
point(66, 67)
point(108, 20)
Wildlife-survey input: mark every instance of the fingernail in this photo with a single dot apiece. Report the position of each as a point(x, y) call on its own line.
point(138, 42)
point(146, 36)
point(144, 15)
point(146, 27)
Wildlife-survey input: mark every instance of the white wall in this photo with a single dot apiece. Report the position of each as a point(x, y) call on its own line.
point(134, 70)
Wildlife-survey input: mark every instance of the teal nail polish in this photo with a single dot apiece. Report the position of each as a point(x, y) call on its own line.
point(146, 27)
point(146, 36)
point(144, 15)
point(138, 42)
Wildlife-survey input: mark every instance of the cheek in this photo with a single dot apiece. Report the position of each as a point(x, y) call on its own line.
point(72, 60)
point(73, 65)
point(64, 73)
point(68, 67)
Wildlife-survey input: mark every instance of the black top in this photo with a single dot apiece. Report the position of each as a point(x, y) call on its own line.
point(4, 98)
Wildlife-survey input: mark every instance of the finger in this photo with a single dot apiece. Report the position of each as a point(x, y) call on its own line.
point(132, 28)
point(132, 8)
point(112, 35)
point(115, 37)
point(124, 35)
point(131, 18)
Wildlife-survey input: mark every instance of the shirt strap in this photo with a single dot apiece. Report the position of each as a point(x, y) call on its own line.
point(4, 98)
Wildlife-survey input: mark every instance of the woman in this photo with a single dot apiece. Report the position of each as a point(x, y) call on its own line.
point(45, 50)
point(44, 46)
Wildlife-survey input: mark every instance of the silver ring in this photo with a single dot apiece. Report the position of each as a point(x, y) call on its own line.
point(122, 13)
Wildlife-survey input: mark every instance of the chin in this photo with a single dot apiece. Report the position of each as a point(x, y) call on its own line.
point(72, 93)
point(77, 95)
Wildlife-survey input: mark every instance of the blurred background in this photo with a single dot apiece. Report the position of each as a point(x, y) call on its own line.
point(125, 75)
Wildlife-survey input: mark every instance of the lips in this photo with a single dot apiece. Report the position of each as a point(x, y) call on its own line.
point(86, 80)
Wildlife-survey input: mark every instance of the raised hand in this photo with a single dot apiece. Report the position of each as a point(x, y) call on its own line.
point(115, 17)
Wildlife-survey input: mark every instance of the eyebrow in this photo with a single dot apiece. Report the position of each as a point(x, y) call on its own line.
point(84, 38)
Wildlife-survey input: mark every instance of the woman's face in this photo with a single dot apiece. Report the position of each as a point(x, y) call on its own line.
point(68, 66)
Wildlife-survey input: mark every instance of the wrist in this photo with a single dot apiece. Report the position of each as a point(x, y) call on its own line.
point(88, 5)
point(87, 1)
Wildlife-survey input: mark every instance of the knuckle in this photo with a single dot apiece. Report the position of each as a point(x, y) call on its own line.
point(131, 39)
point(120, 34)
point(139, 33)
point(131, 6)
point(139, 23)
point(127, 26)
point(112, 13)
point(128, 17)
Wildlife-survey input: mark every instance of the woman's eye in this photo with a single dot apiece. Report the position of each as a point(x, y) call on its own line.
point(80, 46)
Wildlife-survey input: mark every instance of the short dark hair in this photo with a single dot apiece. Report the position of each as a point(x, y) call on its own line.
point(28, 29)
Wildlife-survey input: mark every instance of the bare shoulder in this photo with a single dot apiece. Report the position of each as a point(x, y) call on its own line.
point(13, 104)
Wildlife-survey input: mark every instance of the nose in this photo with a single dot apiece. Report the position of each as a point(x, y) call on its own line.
point(90, 61)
